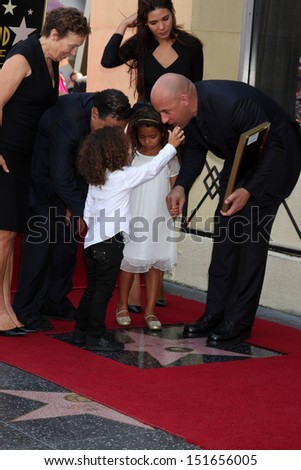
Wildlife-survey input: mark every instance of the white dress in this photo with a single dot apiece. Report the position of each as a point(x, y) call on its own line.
point(152, 240)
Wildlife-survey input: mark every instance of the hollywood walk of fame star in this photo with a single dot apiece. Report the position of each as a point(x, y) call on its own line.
point(166, 351)
point(9, 7)
point(21, 32)
point(56, 404)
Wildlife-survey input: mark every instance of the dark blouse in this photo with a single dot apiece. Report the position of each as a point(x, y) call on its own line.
point(189, 62)
point(34, 95)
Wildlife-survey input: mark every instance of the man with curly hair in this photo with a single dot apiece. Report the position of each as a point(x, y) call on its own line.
point(56, 204)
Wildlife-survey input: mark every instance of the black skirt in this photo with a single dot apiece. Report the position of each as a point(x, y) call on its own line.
point(14, 189)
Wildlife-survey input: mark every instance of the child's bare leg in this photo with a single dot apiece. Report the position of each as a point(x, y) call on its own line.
point(125, 284)
point(135, 291)
point(152, 278)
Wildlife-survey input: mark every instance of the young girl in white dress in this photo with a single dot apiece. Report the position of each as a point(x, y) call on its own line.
point(151, 248)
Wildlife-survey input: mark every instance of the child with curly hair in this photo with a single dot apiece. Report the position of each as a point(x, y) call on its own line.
point(103, 161)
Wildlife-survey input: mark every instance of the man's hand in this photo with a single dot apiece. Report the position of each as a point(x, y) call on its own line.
point(3, 164)
point(236, 201)
point(175, 200)
point(80, 224)
point(68, 216)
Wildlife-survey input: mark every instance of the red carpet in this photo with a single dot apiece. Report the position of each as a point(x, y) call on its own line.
point(251, 404)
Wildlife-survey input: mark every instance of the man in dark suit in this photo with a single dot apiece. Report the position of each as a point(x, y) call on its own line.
point(57, 199)
point(213, 114)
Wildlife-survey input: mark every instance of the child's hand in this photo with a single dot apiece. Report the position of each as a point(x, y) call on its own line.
point(174, 212)
point(176, 136)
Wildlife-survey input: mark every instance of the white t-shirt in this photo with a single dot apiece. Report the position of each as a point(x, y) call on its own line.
point(107, 209)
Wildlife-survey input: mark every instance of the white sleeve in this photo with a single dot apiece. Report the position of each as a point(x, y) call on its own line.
point(135, 175)
point(174, 166)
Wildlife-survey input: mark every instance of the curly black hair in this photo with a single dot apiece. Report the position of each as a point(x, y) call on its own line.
point(104, 149)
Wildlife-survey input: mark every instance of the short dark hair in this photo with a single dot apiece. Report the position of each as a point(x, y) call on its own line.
point(66, 20)
point(112, 102)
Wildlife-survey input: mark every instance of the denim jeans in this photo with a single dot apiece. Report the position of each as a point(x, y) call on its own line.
point(103, 263)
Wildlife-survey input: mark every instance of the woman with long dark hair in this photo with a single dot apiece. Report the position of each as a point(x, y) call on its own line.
point(158, 46)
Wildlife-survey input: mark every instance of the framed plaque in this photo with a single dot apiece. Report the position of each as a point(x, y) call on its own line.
point(249, 150)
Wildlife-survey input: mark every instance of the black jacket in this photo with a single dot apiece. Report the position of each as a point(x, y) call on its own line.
point(53, 163)
point(225, 110)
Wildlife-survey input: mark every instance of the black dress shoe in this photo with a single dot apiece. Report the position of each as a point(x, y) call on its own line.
point(202, 327)
point(26, 329)
point(13, 332)
point(161, 303)
point(36, 323)
point(228, 333)
point(135, 308)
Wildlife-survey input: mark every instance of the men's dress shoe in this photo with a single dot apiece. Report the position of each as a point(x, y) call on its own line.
point(161, 303)
point(105, 342)
point(202, 327)
point(135, 308)
point(228, 332)
point(37, 323)
point(13, 332)
point(79, 337)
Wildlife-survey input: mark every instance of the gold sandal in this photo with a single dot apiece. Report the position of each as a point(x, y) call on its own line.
point(123, 321)
point(152, 322)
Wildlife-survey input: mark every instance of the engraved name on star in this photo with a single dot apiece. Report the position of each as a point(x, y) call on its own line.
point(167, 351)
point(9, 7)
point(57, 404)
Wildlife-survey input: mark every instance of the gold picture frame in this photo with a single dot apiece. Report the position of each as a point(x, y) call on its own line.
point(248, 151)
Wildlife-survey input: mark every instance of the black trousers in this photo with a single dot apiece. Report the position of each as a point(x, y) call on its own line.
point(241, 242)
point(103, 263)
point(238, 263)
point(48, 259)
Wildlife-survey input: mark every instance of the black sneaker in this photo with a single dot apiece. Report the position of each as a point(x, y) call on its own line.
point(106, 342)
